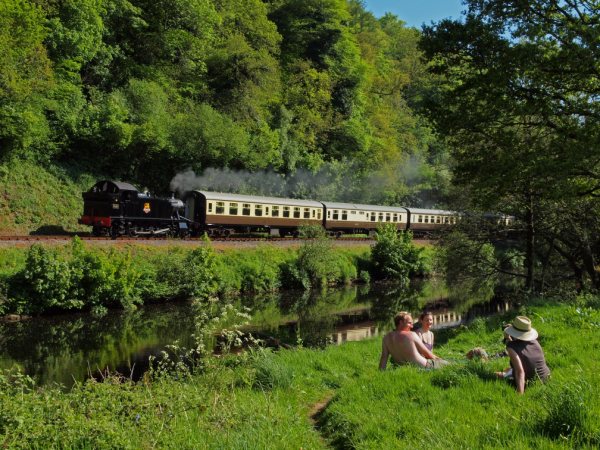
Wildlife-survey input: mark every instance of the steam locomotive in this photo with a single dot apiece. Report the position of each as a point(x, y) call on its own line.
point(114, 208)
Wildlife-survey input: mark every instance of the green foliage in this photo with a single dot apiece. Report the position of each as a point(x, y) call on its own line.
point(50, 280)
point(266, 398)
point(199, 278)
point(141, 90)
point(394, 256)
point(508, 141)
point(25, 74)
point(270, 373)
point(47, 279)
point(565, 413)
point(317, 265)
point(462, 258)
point(54, 281)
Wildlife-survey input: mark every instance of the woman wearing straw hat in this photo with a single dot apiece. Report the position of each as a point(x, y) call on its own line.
point(527, 359)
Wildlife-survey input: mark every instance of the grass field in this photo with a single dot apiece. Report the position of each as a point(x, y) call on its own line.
point(333, 398)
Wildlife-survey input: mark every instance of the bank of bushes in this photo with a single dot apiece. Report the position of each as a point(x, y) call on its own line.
point(45, 279)
point(334, 397)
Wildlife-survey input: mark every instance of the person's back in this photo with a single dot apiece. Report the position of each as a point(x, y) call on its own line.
point(402, 347)
point(532, 358)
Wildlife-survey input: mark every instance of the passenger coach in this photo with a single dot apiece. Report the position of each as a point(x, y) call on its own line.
point(341, 218)
point(425, 221)
point(220, 214)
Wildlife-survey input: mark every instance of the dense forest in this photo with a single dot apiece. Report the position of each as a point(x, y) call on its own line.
point(318, 95)
point(497, 111)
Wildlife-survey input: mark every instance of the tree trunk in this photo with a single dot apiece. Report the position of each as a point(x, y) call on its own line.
point(530, 244)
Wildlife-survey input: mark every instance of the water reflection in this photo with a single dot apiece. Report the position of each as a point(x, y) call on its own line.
point(70, 348)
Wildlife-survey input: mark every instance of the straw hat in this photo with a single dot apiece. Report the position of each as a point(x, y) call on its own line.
point(521, 329)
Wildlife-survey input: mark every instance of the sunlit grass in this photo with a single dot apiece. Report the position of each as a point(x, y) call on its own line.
point(265, 399)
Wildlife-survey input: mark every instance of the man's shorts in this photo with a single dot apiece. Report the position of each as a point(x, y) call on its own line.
point(433, 364)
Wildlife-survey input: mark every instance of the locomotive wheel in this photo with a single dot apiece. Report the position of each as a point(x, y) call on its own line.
point(114, 231)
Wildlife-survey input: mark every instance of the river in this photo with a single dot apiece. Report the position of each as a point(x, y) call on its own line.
point(70, 348)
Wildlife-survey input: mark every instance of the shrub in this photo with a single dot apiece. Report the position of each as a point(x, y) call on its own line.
point(270, 373)
point(316, 265)
point(49, 280)
point(394, 256)
point(565, 409)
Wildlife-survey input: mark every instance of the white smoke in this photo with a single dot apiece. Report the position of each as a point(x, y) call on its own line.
point(333, 182)
point(302, 184)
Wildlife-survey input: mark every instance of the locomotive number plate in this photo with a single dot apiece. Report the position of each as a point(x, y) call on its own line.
point(115, 206)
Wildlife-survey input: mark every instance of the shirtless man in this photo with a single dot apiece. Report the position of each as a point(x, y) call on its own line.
point(405, 347)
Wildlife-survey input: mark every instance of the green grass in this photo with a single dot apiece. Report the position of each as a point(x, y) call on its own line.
point(265, 399)
point(35, 199)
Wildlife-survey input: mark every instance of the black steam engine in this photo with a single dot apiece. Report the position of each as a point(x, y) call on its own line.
point(115, 209)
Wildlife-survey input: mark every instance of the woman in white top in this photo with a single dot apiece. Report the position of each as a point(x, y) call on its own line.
point(424, 332)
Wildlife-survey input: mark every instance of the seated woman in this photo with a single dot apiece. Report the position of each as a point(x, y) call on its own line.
point(424, 332)
point(527, 360)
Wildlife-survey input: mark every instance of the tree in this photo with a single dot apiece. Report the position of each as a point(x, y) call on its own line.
point(518, 107)
point(25, 74)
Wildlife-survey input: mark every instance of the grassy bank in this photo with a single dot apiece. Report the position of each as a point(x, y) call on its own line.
point(265, 400)
point(37, 199)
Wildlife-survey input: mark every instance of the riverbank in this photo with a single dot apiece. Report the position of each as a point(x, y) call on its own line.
point(334, 397)
point(79, 277)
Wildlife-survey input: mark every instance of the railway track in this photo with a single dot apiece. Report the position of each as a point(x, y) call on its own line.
point(68, 237)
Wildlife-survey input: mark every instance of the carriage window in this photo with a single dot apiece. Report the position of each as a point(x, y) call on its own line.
point(395, 218)
point(373, 217)
point(388, 217)
point(426, 219)
point(275, 211)
point(362, 213)
point(438, 219)
point(319, 214)
point(246, 209)
point(336, 214)
point(266, 210)
point(220, 208)
point(258, 210)
point(210, 207)
point(420, 220)
point(286, 211)
point(344, 215)
point(314, 213)
point(329, 214)
point(306, 213)
point(233, 209)
point(432, 219)
point(296, 212)
point(380, 217)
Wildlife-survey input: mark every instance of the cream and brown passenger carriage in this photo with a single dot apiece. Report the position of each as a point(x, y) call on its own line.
point(350, 218)
point(221, 214)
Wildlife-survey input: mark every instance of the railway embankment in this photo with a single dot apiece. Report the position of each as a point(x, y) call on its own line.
point(46, 279)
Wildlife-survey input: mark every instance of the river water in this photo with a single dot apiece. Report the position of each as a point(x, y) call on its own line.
point(70, 348)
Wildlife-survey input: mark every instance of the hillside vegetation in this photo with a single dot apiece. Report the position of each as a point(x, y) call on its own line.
point(34, 199)
point(492, 112)
point(142, 90)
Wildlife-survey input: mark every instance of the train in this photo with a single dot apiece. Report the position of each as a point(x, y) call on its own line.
point(115, 209)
